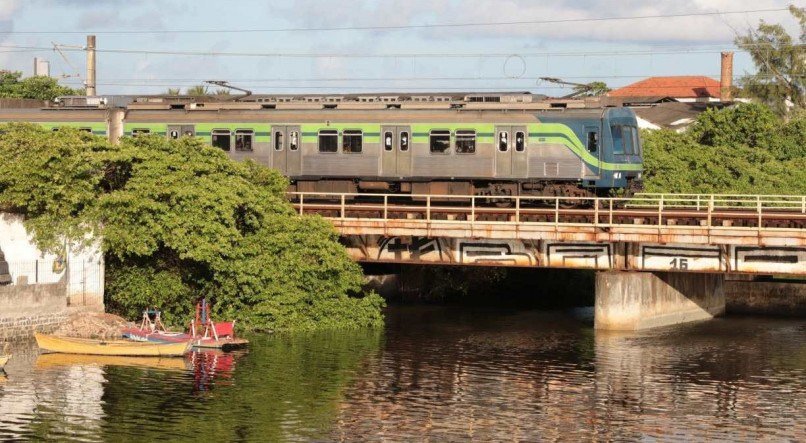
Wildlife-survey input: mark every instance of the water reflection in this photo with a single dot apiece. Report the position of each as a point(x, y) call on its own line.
point(538, 376)
point(435, 374)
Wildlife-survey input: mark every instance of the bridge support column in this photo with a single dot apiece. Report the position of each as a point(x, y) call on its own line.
point(630, 301)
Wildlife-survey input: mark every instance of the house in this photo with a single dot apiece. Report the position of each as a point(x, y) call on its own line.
point(684, 89)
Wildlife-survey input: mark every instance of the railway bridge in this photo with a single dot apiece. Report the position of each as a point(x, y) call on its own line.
point(662, 258)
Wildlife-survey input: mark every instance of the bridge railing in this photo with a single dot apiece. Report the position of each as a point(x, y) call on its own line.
point(720, 201)
point(667, 210)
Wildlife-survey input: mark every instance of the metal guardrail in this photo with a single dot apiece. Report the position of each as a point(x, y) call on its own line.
point(750, 212)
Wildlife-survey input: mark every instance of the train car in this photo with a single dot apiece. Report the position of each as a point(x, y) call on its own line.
point(468, 145)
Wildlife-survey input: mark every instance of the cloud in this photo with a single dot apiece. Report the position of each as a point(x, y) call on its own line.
point(680, 29)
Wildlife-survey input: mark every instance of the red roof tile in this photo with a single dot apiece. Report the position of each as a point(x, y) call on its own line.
point(684, 86)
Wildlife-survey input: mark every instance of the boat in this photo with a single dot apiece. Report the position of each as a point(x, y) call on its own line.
point(70, 345)
point(4, 357)
point(204, 333)
point(47, 361)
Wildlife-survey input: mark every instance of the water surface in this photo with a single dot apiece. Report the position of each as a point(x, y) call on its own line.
point(435, 374)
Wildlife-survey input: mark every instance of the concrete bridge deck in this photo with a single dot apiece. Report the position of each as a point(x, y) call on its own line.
point(651, 232)
point(682, 245)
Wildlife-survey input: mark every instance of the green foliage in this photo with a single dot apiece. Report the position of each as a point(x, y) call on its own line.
point(592, 89)
point(39, 87)
point(52, 177)
point(198, 91)
point(742, 149)
point(184, 217)
point(781, 63)
point(133, 287)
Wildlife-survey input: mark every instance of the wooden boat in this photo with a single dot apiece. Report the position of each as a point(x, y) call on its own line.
point(69, 345)
point(4, 357)
point(46, 361)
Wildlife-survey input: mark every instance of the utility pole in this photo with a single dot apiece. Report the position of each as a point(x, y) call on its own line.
point(90, 83)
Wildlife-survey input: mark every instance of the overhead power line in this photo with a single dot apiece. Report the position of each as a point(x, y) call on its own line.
point(515, 54)
point(402, 27)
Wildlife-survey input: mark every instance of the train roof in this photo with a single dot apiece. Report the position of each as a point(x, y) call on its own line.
point(363, 101)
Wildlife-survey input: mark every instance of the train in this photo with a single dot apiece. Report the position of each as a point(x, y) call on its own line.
point(508, 144)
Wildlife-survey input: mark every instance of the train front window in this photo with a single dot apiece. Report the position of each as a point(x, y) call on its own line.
point(404, 141)
point(278, 140)
point(387, 141)
point(503, 141)
point(465, 142)
point(520, 141)
point(593, 142)
point(293, 140)
point(220, 138)
point(618, 139)
point(329, 140)
point(244, 139)
point(440, 141)
point(352, 141)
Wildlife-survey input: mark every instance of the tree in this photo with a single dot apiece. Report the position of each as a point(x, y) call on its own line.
point(172, 91)
point(781, 63)
point(179, 219)
point(744, 149)
point(592, 89)
point(39, 87)
point(197, 91)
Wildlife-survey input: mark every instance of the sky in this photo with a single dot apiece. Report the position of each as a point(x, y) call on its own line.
point(500, 57)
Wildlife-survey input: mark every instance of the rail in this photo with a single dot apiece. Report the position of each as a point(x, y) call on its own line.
point(737, 213)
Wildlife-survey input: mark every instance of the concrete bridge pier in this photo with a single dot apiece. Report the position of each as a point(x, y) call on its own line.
point(631, 301)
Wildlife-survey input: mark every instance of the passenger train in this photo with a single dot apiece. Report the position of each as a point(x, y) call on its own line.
point(469, 144)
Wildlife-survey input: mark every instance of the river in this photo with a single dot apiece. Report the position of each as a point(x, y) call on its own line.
point(434, 374)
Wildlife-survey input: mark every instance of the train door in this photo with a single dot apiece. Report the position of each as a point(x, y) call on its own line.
point(389, 147)
point(293, 152)
point(519, 154)
point(176, 131)
point(592, 144)
point(278, 148)
point(403, 151)
point(503, 151)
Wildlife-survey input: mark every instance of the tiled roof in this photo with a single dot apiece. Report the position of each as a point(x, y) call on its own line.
point(687, 86)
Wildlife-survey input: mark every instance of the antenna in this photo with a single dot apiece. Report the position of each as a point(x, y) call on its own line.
point(225, 84)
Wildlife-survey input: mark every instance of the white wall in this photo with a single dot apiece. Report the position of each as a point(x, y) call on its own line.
point(86, 267)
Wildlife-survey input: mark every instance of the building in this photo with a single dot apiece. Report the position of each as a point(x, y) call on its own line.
point(684, 89)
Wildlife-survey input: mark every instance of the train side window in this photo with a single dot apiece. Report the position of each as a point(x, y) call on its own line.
point(352, 141)
point(520, 141)
point(618, 139)
point(465, 141)
point(440, 141)
point(636, 140)
point(278, 140)
point(593, 141)
point(54, 129)
point(89, 130)
point(387, 141)
point(137, 132)
point(328, 140)
point(220, 138)
point(503, 141)
point(404, 141)
point(627, 135)
point(174, 134)
point(293, 140)
point(244, 139)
